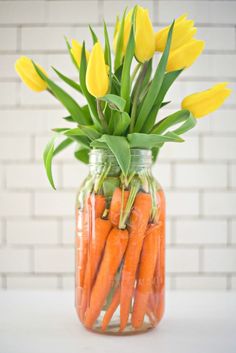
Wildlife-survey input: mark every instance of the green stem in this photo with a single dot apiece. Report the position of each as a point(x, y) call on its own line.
point(136, 95)
point(101, 116)
point(136, 69)
point(154, 198)
point(85, 190)
point(101, 178)
point(145, 90)
point(132, 195)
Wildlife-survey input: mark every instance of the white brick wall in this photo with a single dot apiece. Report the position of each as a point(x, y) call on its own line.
point(199, 176)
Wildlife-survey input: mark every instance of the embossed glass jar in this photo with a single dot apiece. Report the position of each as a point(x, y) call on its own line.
point(120, 246)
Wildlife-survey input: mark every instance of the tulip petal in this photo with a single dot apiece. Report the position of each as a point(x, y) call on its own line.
point(97, 80)
point(205, 102)
point(185, 55)
point(25, 69)
point(144, 39)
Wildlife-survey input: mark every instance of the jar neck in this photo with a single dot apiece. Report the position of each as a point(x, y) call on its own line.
point(141, 160)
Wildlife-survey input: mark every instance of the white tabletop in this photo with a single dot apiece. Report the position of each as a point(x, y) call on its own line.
point(43, 322)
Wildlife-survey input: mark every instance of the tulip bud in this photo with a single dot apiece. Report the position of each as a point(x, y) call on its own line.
point(97, 79)
point(144, 36)
point(185, 55)
point(183, 32)
point(25, 69)
point(76, 51)
point(127, 28)
point(205, 102)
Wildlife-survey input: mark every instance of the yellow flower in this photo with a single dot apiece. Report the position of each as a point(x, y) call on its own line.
point(76, 51)
point(205, 102)
point(25, 69)
point(144, 36)
point(183, 32)
point(185, 55)
point(127, 27)
point(97, 79)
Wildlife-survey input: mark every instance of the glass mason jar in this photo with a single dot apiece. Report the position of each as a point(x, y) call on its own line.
point(120, 246)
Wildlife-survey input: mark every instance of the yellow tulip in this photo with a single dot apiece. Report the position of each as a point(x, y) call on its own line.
point(127, 27)
point(185, 55)
point(76, 51)
point(97, 79)
point(183, 32)
point(205, 102)
point(25, 69)
point(144, 36)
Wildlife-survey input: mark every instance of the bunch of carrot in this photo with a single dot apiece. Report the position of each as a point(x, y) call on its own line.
point(132, 251)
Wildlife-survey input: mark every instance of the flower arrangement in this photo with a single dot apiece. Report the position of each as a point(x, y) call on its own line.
point(122, 106)
point(120, 212)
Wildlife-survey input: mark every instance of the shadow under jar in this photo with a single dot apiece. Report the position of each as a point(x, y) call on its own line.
point(120, 246)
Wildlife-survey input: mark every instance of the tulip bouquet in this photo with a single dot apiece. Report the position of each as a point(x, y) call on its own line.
point(121, 110)
point(120, 209)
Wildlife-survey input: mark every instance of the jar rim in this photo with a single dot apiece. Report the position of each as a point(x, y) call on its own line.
point(139, 156)
point(134, 151)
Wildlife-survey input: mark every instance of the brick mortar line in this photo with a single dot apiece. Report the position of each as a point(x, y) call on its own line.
point(28, 51)
point(229, 232)
point(200, 136)
point(189, 79)
point(194, 190)
point(47, 24)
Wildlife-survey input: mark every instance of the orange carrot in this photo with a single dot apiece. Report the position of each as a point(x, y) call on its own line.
point(161, 304)
point(114, 250)
point(151, 316)
point(83, 233)
point(138, 224)
point(145, 275)
point(116, 203)
point(98, 204)
point(111, 309)
point(159, 275)
point(96, 246)
point(93, 208)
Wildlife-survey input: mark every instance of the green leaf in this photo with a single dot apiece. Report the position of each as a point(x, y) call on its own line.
point(82, 154)
point(145, 80)
point(122, 124)
point(169, 78)
point(82, 140)
point(69, 118)
point(148, 141)
point(155, 152)
point(71, 105)
point(119, 44)
point(109, 185)
point(98, 144)
point(163, 104)
point(107, 54)
point(65, 143)
point(114, 117)
point(89, 131)
point(86, 111)
point(176, 118)
point(115, 85)
point(90, 99)
point(67, 80)
point(71, 56)
point(115, 102)
point(93, 34)
point(47, 158)
point(120, 148)
point(126, 76)
point(60, 129)
point(155, 86)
